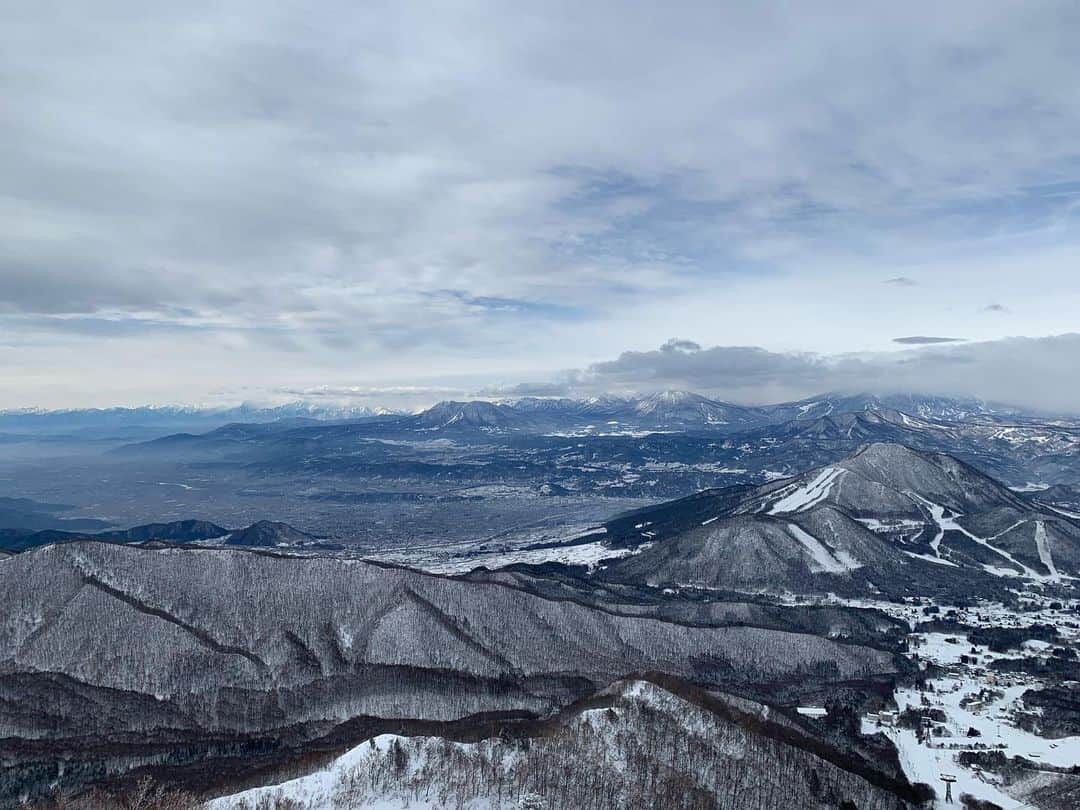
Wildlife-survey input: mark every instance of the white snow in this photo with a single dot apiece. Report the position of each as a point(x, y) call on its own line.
point(936, 560)
point(1065, 512)
point(899, 524)
point(937, 512)
point(823, 559)
point(174, 484)
point(322, 789)
point(807, 496)
point(989, 700)
point(316, 790)
point(990, 720)
point(588, 554)
point(924, 764)
point(1030, 487)
point(1043, 545)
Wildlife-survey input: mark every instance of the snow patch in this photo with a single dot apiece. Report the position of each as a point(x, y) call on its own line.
point(823, 560)
point(1043, 545)
point(809, 495)
point(937, 513)
point(936, 560)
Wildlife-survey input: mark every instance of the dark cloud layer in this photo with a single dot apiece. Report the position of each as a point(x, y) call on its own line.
point(925, 340)
point(1039, 373)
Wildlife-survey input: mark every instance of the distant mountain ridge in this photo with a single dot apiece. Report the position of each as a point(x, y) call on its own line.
point(684, 409)
point(918, 405)
point(100, 421)
point(30, 515)
point(262, 534)
point(669, 407)
point(691, 440)
point(664, 410)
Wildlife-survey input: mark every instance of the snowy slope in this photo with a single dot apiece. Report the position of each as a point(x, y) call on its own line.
point(644, 747)
point(887, 519)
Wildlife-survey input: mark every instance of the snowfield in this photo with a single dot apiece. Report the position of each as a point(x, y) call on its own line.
point(587, 554)
point(807, 496)
point(581, 544)
point(822, 559)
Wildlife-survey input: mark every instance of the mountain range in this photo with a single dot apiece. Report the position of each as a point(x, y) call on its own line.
point(261, 534)
point(682, 410)
point(101, 423)
point(664, 409)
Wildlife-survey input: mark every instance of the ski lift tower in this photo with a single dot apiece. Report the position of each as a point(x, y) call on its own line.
point(948, 779)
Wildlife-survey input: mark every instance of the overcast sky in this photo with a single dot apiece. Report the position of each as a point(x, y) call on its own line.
point(215, 201)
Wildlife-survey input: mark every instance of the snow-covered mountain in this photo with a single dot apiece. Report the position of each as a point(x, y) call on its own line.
point(667, 410)
point(919, 405)
point(476, 414)
point(108, 645)
point(177, 645)
point(590, 408)
point(685, 409)
point(644, 743)
point(886, 520)
point(663, 410)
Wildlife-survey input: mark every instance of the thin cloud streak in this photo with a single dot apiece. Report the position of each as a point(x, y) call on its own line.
point(926, 340)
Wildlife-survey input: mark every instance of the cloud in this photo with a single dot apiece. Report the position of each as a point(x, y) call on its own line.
point(527, 389)
point(922, 340)
point(1038, 373)
point(995, 308)
point(394, 397)
point(407, 189)
point(676, 345)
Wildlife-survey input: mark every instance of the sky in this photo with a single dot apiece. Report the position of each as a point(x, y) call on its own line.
point(210, 202)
